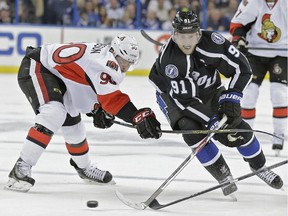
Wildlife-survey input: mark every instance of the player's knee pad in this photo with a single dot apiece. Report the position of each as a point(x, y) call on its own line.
point(278, 94)
point(51, 115)
point(236, 139)
point(75, 133)
point(250, 96)
point(189, 124)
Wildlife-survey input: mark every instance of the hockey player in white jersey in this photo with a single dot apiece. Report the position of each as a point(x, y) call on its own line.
point(61, 81)
point(262, 25)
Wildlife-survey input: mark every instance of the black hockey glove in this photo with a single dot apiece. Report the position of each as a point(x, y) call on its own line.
point(101, 119)
point(240, 43)
point(213, 124)
point(229, 104)
point(147, 124)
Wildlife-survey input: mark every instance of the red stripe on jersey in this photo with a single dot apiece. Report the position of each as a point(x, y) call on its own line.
point(248, 113)
point(113, 103)
point(73, 72)
point(280, 112)
point(41, 82)
point(38, 137)
point(78, 149)
point(234, 26)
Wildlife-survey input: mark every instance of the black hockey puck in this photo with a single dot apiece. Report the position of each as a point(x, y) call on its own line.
point(92, 203)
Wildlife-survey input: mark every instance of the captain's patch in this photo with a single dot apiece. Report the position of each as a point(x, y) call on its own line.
point(217, 38)
point(171, 71)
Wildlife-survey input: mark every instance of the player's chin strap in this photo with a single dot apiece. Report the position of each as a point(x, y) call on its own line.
point(203, 131)
point(144, 205)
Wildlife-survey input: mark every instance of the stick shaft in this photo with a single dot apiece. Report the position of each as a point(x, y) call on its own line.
point(159, 206)
point(202, 131)
point(183, 164)
point(267, 48)
point(147, 37)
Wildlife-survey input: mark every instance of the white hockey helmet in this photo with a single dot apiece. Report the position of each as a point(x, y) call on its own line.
point(126, 47)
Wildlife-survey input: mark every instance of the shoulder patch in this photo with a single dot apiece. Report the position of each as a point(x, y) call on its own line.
point(217, 38)
point(112, 65)
point(171, 71)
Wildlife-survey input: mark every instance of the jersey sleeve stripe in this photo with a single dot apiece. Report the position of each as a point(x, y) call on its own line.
point(113, 102)
point(217, 55)
point(190, 109)
point(234, 26)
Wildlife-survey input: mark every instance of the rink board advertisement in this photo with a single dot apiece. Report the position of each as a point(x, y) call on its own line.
point(15, 39)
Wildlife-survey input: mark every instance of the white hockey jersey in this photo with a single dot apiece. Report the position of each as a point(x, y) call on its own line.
point(91, 75)
point(270, 27)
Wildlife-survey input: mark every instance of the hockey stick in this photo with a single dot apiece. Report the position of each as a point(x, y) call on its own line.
point(144, 205)
point(147, 37)
point(263, 48)
point(203, 131)
point(156, 205)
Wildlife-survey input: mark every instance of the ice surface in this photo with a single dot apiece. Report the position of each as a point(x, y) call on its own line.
point(139, 166)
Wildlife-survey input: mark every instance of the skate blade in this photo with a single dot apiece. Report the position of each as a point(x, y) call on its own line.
point(112, 182)
point(20, 186)
point(233, 197)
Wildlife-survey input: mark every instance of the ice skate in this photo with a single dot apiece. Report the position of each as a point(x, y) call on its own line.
point(92, 174)
point(278, 143)
point(229, 189)
point(20, 177)
point(271, 178)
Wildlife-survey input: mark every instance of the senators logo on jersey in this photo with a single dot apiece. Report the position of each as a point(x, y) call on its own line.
point(269, 31)
point(112, 65)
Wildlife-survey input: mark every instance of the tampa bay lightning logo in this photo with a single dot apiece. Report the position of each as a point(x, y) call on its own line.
point(217, 38)
point(171, 71)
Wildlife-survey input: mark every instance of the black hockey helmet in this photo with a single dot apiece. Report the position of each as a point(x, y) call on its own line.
point(186, 22)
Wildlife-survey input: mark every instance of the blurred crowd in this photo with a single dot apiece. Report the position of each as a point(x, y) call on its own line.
point(148, 14)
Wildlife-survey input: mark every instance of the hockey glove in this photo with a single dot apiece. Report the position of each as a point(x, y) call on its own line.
point(229, 104)
point(147, 124)
point(101, 119)
point(213, 122)
point(240, 43)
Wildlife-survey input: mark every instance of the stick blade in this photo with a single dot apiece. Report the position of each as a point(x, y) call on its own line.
point(128, 202)
point(145, 35)
point(155, 205)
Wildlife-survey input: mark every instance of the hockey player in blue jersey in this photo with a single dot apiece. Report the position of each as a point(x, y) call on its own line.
point(190, 93)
